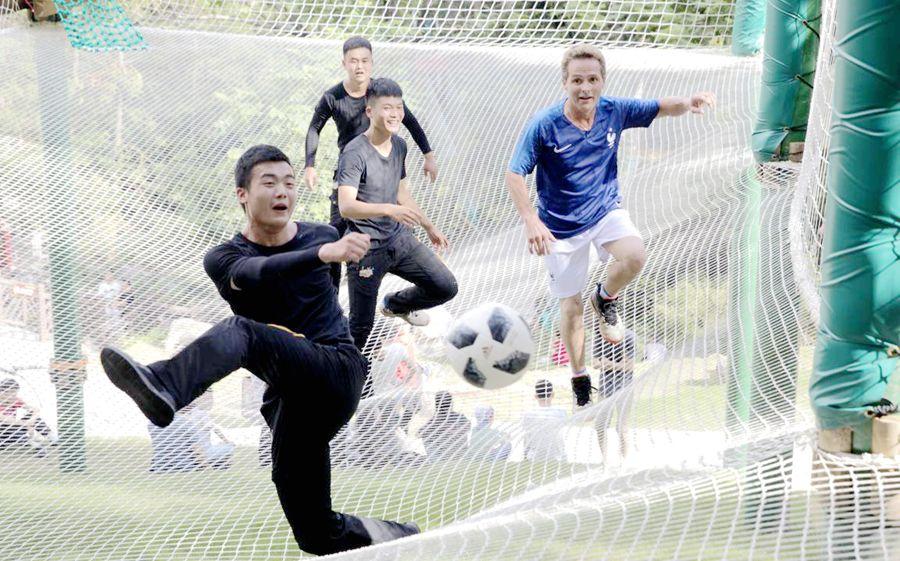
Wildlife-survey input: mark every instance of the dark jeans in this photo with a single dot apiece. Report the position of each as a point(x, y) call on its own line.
point(313, 390)
point(340, 223)
point(611, 381)
point(409, 259)
point(13, 435)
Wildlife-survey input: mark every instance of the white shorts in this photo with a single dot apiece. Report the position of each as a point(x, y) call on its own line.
point(567, 264)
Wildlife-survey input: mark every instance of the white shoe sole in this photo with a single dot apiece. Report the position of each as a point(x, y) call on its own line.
point(613, 334)
point(405, 317)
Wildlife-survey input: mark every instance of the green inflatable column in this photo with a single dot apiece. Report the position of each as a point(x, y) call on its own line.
point(859, 331)
point(749, 27)
point(791, 46)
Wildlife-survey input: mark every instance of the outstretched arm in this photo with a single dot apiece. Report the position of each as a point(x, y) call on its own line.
point(249, 272)
point(677, 106)
point(405, 198)
point(355, 209)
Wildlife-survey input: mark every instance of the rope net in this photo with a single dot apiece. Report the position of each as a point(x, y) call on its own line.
point(115, 178)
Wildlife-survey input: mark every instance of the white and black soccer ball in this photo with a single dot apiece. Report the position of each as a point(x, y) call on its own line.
point(490, 346)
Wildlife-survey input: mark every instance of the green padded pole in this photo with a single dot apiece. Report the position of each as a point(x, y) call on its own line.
point(749, 27)
point(789, 65)
point(67, 370)
point(859, 331)
point(743, 279)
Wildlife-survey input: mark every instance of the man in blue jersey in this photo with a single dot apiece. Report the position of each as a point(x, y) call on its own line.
point(573, 146)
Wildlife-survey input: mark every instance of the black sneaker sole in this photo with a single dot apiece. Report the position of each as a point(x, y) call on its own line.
point(127, 376)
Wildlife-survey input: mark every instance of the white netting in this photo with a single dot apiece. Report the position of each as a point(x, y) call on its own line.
point(808, 207)
point(123, 162)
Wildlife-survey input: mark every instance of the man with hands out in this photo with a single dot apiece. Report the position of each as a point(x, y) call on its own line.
point(374, 197)
point(573, 145)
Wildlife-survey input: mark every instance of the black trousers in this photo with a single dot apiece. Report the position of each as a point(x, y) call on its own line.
point(313, 390)
point(409, 259)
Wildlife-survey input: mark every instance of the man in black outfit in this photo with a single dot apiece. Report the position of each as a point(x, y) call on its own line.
point(288, 330)
point(374, 197)
point(345, 102)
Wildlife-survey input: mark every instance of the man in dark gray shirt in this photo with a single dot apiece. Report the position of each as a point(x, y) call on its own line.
point(373, 195)
point(345, 103)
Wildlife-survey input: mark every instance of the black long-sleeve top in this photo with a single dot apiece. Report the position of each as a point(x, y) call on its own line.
point(286, 285)
point(349, 114)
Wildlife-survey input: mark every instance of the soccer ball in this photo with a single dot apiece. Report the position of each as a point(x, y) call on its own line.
point(490, 346)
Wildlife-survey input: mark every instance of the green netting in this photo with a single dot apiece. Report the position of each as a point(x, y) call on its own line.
point(99, 25)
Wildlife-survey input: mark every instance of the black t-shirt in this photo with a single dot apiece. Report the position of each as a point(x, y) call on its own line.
point(300, 297)
point(378, 180)
point(349, 114)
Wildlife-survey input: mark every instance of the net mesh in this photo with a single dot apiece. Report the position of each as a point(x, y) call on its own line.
point(98, 26)
point(115, 174)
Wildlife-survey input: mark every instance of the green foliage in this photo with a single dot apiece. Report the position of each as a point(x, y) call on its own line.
point(686, 309)
point(704, 23)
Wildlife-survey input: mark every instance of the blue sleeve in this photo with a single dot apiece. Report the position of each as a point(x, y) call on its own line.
point(527, 150)
point(637, 112)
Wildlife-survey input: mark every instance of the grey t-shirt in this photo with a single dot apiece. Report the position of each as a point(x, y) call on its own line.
point(378, 180)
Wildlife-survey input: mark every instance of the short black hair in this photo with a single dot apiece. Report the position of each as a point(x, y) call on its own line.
point(357, 42)
point(543, 389)
point(9, 384)
point(382, 87)
point(255, 155)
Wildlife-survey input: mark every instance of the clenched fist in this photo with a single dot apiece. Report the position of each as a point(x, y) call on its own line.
point(350, 248)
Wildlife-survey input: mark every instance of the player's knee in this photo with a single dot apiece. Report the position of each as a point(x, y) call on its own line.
point(447, 288)
point(571, 307)
point(236, 322)
point(636, 261)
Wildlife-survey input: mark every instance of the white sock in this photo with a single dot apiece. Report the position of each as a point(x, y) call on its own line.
point(582, 372)
point(604, 294)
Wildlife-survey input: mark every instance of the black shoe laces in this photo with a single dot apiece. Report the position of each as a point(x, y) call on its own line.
point(609, 310)
point(882, 408)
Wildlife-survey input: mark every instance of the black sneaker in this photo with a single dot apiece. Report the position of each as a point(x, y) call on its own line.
point(381, 531)
point(581, 387)
point(135, 379)
point(608, 312)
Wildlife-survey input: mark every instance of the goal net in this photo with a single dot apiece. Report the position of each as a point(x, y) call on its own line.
point(115, 178)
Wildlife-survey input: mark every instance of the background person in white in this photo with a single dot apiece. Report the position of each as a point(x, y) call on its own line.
point(541, 426)
point(573, 144)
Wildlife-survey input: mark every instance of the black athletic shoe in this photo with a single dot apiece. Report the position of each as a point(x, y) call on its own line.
point(381, 531)
point(608, 312)
point(135, 379)
point(581, 387)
